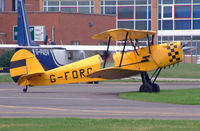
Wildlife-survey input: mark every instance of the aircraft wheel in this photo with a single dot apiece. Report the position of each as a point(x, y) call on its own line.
point(25, 89)
point(155, 87)
point(146, 88)
point(90, 82)
point(96, 82)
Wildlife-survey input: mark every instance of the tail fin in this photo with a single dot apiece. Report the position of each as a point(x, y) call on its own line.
point(23, 36)
point(24, 65)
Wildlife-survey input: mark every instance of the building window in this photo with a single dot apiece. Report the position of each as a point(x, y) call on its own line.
point(83, 2)
point(159, 25)
point(149, 26)
point(110, 10)
point(149, 10)
point(68, 3)
point(109, 2)
point(167, 1)
point(75, 6)
point(53, 9)
point(196, 24)
point(140, 2)
point(126, 12)
point(167, 12)
point(126, 24)
point(141, 25)
point(69, 9)
point(183, 24)
point(167, 24)
point(182, 11)
point(2, 5)
point(125, 2)
point(196, 1)
point(85, 10)
point(141, 12)
point(159, 12)
point(182, 1)
point(196, 11)
point(75, 42)
point(53, 3)
point(129, 12)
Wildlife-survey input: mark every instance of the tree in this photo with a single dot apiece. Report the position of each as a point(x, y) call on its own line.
point(5, 58)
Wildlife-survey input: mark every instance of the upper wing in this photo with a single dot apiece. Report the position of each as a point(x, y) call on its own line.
point(119, 34)
point(113, 73)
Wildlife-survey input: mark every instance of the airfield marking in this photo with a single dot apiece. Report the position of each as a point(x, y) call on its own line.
point(6, 89)
point(90, 112)
point(50, 98)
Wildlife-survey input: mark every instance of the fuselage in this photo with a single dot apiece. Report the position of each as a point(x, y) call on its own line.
point(160, 56)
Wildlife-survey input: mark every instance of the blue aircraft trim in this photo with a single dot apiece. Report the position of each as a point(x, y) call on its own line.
point(24, 37)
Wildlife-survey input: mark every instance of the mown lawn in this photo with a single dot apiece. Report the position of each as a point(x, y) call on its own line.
point(181, 71)
point(78, 124)
point(5, 78)
point(183, 96)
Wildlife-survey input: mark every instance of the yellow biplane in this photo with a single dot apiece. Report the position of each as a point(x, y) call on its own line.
point(27, 71)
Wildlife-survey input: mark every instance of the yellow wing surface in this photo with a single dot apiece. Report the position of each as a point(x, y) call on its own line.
point(113, 73)
point(119, 34)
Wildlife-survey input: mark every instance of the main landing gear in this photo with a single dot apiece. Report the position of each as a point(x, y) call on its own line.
point(25, 89)
point(149, 85)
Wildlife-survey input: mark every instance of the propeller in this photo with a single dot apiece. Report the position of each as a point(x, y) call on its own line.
point(185, 47)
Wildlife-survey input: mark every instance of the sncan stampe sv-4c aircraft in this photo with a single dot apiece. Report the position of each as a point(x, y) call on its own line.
point(27, 71)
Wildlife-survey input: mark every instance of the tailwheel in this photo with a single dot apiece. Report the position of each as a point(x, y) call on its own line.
point(146, 88)
point(155, 87)
point(25, 89)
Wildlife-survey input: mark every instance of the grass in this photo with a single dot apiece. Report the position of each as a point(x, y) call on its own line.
point(76, 124)
point(181, 71)
point(183, 96)
point(5, 78)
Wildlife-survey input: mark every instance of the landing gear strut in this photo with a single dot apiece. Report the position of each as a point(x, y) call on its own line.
point(25, 89)
point(149, 85)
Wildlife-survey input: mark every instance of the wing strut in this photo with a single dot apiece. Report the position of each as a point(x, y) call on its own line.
point(149, 44)
point(152, 41)
point(134, 47)
point(106, 54)
point(123, 50)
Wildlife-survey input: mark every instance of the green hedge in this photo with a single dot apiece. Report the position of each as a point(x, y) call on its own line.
point(5, 58)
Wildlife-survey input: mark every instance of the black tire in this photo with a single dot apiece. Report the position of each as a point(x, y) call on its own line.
point(155, 87)
point(146, 88)
point(91, 82)
point(25, 90)
point(96, 82)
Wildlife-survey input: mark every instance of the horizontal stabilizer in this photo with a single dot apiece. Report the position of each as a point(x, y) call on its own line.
point(113, 73)
point(23, 80)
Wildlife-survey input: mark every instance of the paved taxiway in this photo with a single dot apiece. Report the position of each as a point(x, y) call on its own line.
point(90, 101)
